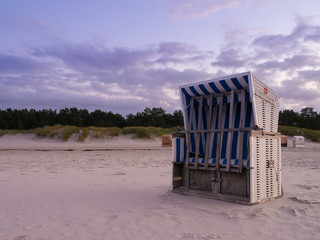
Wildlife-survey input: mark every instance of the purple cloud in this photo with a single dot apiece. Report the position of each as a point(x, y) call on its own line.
point(230, 58)
point(84, 75)
point(67, 74)
point(87, 57)
point(13, 64)
point(201, 8)
point(175, 48)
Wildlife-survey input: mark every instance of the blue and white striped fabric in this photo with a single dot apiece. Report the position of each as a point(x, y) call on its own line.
point(216, 87)
point(179, 150)
point(235, 137)
point(224, 85)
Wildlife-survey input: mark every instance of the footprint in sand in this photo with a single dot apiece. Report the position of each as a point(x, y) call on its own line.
point(119, 173)
point(245, 213)
point(113, 217)
point(304, 201)
point(197, 236)
point(308, 187)
point(27, 237)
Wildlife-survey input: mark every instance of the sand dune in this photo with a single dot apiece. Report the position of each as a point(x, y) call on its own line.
point(120, 189)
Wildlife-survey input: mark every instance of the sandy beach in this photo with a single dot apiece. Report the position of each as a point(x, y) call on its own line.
point(119, 188)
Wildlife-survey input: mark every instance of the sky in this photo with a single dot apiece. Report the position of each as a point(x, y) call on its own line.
point(125, 55)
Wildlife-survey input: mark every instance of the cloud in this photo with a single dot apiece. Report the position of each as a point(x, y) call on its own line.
point(201, 8)
point(230, 58)
point(312, 75)
point(119, 79)
point(297, 93)
point(88, 57)
point(63, 74)
point(297, 40)
point(289, 63)
point(175, 48)
point(13, 64)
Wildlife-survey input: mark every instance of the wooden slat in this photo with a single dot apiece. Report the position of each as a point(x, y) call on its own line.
point(217, 95)
point(241, 133)
point(222, 130)
point(188, 134)
point(186, 177)
point(220, 102)
point(188, 148)
point(198, 134)
point(208, 133)
point(219, 181)
point(197, 150)
point(230, 134)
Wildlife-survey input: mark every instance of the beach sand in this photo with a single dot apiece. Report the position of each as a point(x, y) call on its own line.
point(119, 188)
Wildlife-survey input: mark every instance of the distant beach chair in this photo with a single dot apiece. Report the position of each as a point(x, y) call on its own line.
point(284, 141)
point(167, 140)
point(230, 148)
point(298, 141)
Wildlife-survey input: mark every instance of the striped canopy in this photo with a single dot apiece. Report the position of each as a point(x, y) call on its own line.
point(238, 82)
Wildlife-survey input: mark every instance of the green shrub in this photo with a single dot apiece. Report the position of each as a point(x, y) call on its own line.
point(138, 132)
point(143, 133)
point(290, 131)
point(57, 131)
point(148, 132)
point(3, 132)
point(113, 131)
point(48, 131)
point(42, 132)
point(313, 135)
point(129, 130)
point(101, 132)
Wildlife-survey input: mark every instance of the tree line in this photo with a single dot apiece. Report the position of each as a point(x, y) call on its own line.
point(307, 118)
point(29, 119)
point(156, 117)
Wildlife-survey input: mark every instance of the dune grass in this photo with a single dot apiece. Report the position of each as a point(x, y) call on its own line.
point(56, 131)
point(68, 131)
point(65, 132)
point(13, 132)
point(82, 133)
point(98, 132)
point(313, 135)
point(147, 132)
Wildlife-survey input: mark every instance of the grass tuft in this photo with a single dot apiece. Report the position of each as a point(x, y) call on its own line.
point(68, 131)
point(83, 134)
point(102, 132)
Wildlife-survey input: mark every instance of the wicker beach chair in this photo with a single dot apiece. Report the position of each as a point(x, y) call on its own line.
point(230, 148)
